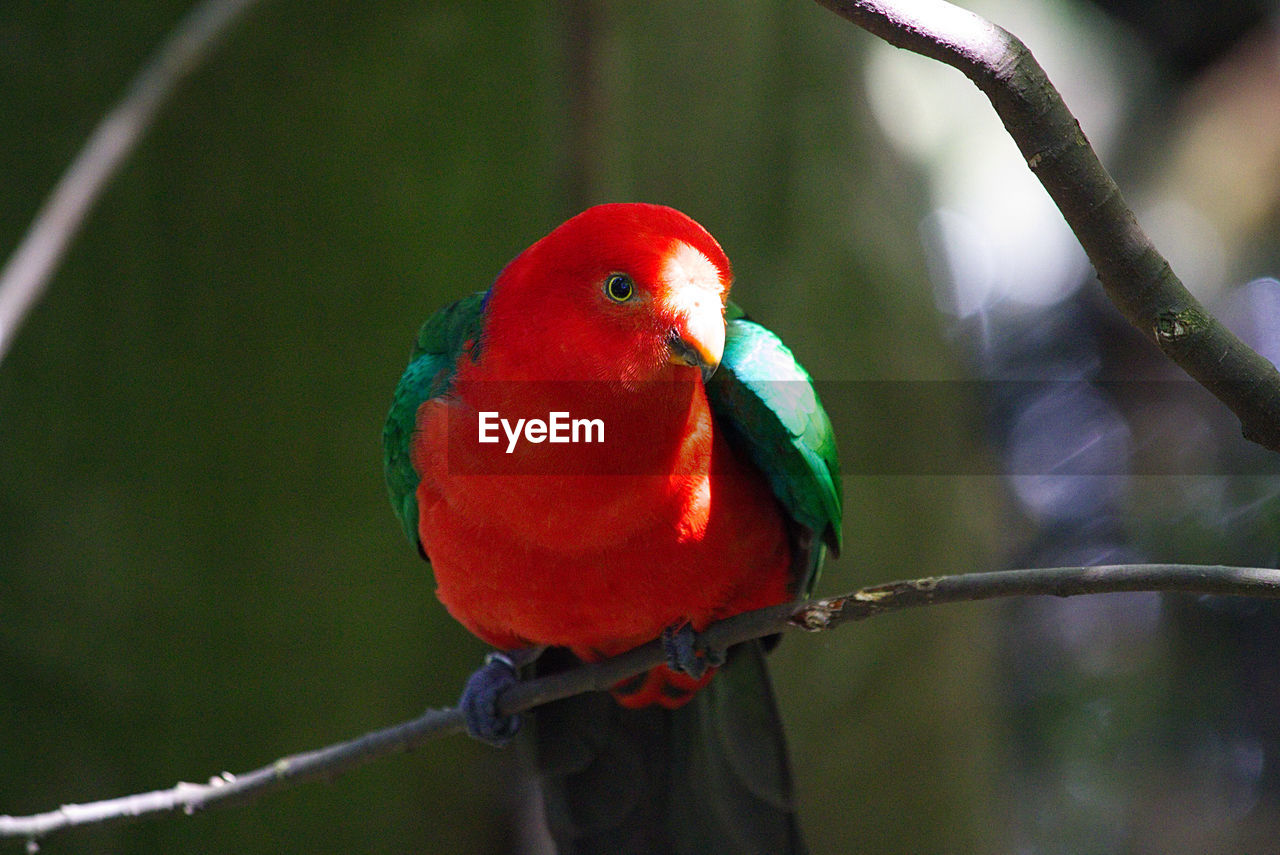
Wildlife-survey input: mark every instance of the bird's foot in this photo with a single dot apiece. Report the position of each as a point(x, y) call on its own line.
point(685, 652)
point(479, 701)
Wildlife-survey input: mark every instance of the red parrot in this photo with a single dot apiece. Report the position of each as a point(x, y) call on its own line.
point(581, 477)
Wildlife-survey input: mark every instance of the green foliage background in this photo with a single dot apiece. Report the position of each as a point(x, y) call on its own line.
point(198, 568)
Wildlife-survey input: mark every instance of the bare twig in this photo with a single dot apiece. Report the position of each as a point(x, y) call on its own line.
point(1136, 277)
point(227, 789)
point(26, 274)
point(813, 615)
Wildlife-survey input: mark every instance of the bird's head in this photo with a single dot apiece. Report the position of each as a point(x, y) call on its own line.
point(621, 292)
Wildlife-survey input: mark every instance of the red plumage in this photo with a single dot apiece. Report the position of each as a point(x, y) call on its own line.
point(597, 546)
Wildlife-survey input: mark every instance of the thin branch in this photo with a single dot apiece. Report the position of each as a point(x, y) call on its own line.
point(814, 615)
point(1136, 277)
point(226, 788)
point(26, 275)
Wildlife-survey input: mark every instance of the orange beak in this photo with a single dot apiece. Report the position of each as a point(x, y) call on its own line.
point(700, 341)
point(694, 299)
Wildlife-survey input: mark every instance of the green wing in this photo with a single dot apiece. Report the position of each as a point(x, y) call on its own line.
point(441, 341)
point(765, 401)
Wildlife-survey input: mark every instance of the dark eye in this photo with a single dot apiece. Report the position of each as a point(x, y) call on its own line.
point(619, 287)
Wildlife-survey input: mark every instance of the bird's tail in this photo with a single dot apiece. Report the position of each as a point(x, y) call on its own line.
point(709, 777)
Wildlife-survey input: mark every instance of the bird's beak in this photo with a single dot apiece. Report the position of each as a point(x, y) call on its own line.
point(694, 302)
point(700, 343)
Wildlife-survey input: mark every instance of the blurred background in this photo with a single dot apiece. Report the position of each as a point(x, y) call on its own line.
point(199, 569)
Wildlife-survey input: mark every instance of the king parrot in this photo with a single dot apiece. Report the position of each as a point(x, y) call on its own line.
point(598, 451)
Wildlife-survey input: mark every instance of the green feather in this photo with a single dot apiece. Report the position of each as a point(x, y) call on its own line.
point(765, 401)
point(441, 340)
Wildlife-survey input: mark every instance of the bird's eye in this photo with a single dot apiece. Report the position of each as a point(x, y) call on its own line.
point(619, 288)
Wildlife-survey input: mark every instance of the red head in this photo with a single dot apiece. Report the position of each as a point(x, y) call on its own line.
point(618, 293)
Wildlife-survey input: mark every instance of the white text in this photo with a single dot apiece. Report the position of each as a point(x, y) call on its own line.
point(557, 428)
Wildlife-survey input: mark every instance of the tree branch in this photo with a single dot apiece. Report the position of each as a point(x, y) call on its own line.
point(814, 615)
point(1136, 277)
point(26, 274)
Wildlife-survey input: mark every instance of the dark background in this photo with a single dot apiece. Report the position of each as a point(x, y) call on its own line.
point(199, 569)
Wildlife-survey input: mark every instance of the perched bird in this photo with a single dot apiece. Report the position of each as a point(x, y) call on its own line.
point(600, 451)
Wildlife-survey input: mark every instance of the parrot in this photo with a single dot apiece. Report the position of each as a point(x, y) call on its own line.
point(602, 450)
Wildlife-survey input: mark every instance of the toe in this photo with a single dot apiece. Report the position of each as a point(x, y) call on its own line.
point(680, 645)
point(479, 702)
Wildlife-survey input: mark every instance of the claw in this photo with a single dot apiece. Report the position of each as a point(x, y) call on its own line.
point(685, 654)
point(479, 701)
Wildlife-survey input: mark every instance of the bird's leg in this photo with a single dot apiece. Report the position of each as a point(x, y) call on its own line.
point(686, 654)
point(479, 701)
